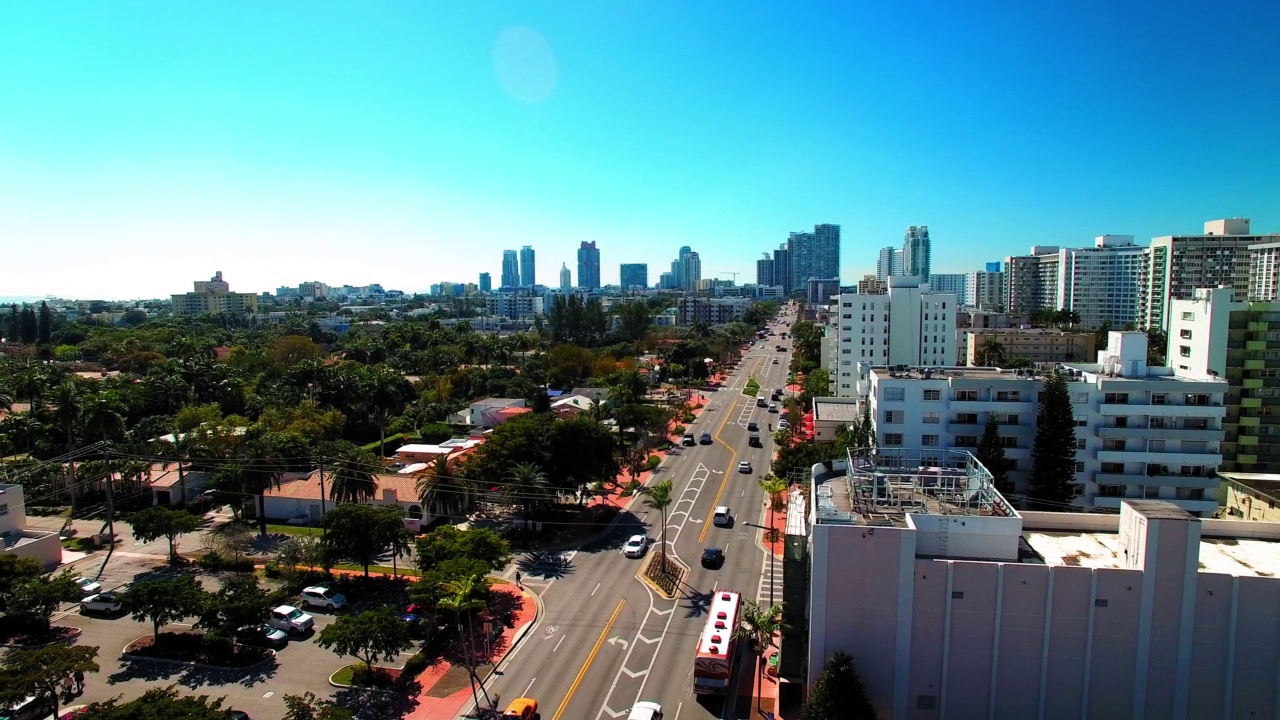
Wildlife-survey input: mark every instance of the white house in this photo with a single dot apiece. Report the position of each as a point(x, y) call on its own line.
point(16, 539)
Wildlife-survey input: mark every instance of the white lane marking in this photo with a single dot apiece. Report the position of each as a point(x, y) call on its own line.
point(557, 647)
point(526, 689)
point(593, 592)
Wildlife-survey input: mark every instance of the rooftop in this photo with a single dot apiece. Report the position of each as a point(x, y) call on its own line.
point(904, 372)
point(1267, 484)
point(1230, 556)
point(833, 410)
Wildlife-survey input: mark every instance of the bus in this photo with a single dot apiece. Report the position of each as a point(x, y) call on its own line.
point(716, 645)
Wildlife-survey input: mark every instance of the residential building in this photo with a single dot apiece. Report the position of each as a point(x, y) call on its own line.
point(510, 269)
point(782, 274)
point(16, 539)
point(953, 604)
point(1031, 281)
point(872, 285)
point(588, 266)
point(514, 305)
point(1252, 496)
point(764, 270)
point(690, 271)
point(1141, 431)
point(916, 252)
point(489, 412)
point(1101, 283)
point(634, 276)
point(830, 414)
point(1038, 345)
point(984, 290)
point(1213, 334)
point(1264, 273)
point(820, 290)
point(952, 283)
point(486, 282)
point(1175, 266)
point(711, 311)
point(214, 297)
point(814, 255)
point(889, 262)
point(528, 268)
point(307, 497)
point(566, 279)
point(668, 281)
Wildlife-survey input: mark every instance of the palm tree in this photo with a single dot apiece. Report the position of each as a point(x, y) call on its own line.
point(102, 415)
point(659, 498)
point(757, 627)
point(442, 490)
point(992, 353)
point(462, 598)
point(6, 400)
point(352, 479)
point(528, 487)
point(68, 413)
point(385, 393)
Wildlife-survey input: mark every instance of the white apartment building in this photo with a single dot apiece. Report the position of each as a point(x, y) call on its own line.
point(1175, 266)
point(514, 305)
point(910, 325)
point(953, 283)
point(1141, 431)
point(1264, 272)
point(711, 311)
point(1101, 282)
point(984, 290)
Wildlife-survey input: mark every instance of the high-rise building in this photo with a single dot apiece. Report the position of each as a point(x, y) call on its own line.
point(566, 279)
point(588, 266)
point(690, 271)
point(1030, 281)
point(916, 252)
point(668, 281)
point(953, 283)
point(528, 271)
point(510, 269)
point(764, 270)
point(1264, 278)
point(819, 291)
point(782, 269)
point(486, 282)
point(1175, 266)
point(711, 311)
point(814, 255)
point(1101, 283)
point(889, 262)
point(634, 276)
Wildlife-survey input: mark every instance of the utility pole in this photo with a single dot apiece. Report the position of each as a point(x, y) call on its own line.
point(111, 501)
point(323, 530)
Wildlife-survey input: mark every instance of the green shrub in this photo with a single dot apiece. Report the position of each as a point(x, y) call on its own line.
point(689, 417)
point(677, 430)
point(214, 561)
point(630, 489)
point(271, 569)
point(652, 462)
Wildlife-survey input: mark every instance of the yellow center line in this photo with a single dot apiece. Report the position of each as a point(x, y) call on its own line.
point(733, 456)
point(590, 658)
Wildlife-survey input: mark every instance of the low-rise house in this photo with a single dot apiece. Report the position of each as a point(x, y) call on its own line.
point(424, 452)
point(298, 499)
point(832, 413)
point(489, 412)
point(171, 487)
point(596, 394)
point(16, 539)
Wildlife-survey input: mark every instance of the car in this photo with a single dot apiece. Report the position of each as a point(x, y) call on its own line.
point(760, 401)
point(705, 439)
point(773, 408)
point(32, 707)
point(645, 710)
point(712, 557)
point(722, 516)
point(753, 426)
point(522, 708)
point(744, 467)
point(636, 546)
point(262, 635)
point(775, 361)
point(754, 441)
point(782, 424)
point(291, 620)
point(688, 440)
point(101, 603)
point(322, 597)
point(238, 715)
point(88, 586)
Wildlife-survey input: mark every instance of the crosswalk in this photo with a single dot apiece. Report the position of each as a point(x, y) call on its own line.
point(770, 578)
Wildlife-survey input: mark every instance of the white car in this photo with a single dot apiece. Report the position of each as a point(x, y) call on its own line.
point(645, 710)
point(88, 586)
point(291, 620)
point(100, 603)
point(636, 546)
point(721, 517)
point(320, 596)
point(744, 467)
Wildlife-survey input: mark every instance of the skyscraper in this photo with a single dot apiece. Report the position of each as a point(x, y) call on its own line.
point(486, 282)
point(889, 263)
point(764, 271)
point(915, 252)
point(634, 275)
point(690, 271)
point(528, 273)
point(814, 255)
point(510, 269)
point(782, 268)
point(566, 280)
point(588, 266)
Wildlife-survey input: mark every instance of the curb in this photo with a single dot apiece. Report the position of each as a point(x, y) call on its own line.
point(523, 631)
point(187, 663)
point(70, 641)
point(643, 577)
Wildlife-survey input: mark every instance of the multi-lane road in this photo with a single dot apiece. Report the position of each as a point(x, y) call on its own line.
point(606, 639)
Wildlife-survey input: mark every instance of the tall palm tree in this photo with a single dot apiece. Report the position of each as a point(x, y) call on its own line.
point(353, 480)
point(659, 497)
point(992, 353)
point(757, 626)
point(462, 599)
point(103, 416)
point(528, 487)
point(386, 392)
point(68, 413)
point(442, 490)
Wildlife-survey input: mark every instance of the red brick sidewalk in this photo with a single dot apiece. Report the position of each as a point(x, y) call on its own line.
point(614, 494)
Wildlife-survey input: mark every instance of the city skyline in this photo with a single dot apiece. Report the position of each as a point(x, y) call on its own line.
point(392, 138)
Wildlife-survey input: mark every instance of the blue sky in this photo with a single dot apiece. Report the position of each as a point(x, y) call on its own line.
point(145, 145)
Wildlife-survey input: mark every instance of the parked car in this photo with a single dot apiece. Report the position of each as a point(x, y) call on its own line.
point(775, 361)
point(712, 557)
point(744, 467)
point(722, 517)
point(323, 597)
point(753, 426)
point(645, 710)
point(238, 715)
point(291, 620)
point(30, 708)
point(522, 708)
point(88, 586)
point(705, 439)
point(636, 546)
point(688, 440)
point(262, 635)
point(100, 603)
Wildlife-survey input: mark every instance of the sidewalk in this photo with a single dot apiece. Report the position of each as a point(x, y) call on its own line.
point(614, 494)
point(448, 708)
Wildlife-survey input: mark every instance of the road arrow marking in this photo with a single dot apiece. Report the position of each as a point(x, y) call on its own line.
point(612, 713)
point(646, 640)
point(616, 640)
point(635, 674)
point(695, 520)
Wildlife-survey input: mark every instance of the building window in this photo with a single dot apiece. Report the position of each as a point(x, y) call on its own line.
point(966, 441)
point(967, 395)
point(1111, 490)
point(1008, 419)
point(1185, 334)
point(926, 702)
point(1110, 444)
point(1099, 602)
point(966, 419)
point(894, 394)
point(1080, 398)
point(1197, 399)
point(930, 395)
point(1079, 466)
point(928, 441)
point(1080, 443)
point(1159, 398)
point(1116, 398)
point(1113, 468)
point(1082, 422)
point(1008, 396)
point(957, 594)
point(1008, 442)
point(893, 439)
point(1151, 492)
point(932, 418)
point(1184, 351)
point(893, 417)
point(1188, 316)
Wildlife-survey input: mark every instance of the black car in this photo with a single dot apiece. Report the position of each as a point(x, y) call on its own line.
point(753, 426)
point(712, 557)
point(754, 441)
point(705, 439)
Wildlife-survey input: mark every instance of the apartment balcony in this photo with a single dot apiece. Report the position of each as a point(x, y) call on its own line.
point(1198, 411)
point(1136, 479)
point(1174, 457)
point(1132, 433)
point(982, 406)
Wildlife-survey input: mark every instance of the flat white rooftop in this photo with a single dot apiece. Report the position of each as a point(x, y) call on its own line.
point(1230, 556)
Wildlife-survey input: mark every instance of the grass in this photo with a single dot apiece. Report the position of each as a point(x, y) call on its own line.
point(294, 530)
point(401, 569)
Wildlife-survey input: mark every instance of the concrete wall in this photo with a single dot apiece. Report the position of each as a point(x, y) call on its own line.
point(966, 536)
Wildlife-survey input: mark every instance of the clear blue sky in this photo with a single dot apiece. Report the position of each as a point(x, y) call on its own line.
point(145, 145)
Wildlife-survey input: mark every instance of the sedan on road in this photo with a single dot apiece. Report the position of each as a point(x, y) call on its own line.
point(712, 557)
point(744, 467)
point(88, 586)
point(645, 710)
point(522, 708)
point(753, 426)
point(636, 546)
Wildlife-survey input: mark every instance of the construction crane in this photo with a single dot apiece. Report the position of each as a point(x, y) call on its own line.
point(734, 274)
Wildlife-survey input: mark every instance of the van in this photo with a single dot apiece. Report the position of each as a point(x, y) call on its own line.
point(688, 440)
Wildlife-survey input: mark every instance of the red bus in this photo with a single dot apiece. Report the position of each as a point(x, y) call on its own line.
point(716, 645)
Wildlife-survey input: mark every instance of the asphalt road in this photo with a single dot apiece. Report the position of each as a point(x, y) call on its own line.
point(606, 639)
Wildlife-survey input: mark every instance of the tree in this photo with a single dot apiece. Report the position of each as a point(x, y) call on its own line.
point(1053, 457)
point(442, 490)
point(34, 600)
point(462, 599)
point(352, 480)
point(838, 693)
point(159, 704)
point(991, 454)
point(634, 320)
point(527, 486)
point(757, 627)
point(240, 602)
point(161, 522)
point(46, 323)
point(164, 601)
point(15, 571)
point(310, 707)
point(44, 672)
point(371, 636)
point(449, 543)
point(293, 349)
point(30, 329)
point(659, 497)
point(68, 412)
point(362, 532)
point(991, 353)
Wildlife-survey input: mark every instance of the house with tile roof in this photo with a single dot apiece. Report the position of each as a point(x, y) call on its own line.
point(298, 499)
